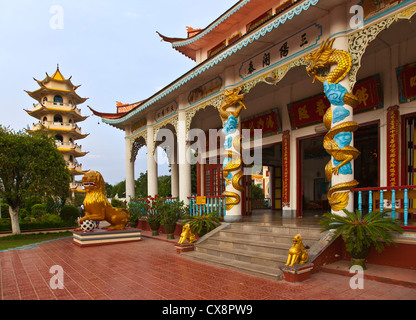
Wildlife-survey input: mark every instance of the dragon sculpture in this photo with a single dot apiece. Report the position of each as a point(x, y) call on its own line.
point(233, 162)
point(337, 140)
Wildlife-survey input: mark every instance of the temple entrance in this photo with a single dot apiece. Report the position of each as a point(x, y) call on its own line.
point(313, 186)
point(312, 156)
point(263, 189)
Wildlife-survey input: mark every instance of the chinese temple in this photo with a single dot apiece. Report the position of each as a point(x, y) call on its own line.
point(58, 114)
point(326, 91)
point(264, 49)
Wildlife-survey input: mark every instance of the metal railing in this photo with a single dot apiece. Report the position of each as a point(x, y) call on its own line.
point(212, 204)
point(394, 199)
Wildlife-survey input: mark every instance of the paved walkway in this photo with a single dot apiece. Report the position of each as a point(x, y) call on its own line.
point(152, 270)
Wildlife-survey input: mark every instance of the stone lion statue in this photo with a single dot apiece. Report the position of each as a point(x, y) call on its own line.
point(97, 207)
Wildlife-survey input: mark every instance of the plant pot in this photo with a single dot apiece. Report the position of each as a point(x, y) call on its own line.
point(169, 229)
point(358, 257)
point(133, 224)
point(154, 226)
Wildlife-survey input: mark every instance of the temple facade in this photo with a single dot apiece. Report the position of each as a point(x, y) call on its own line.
point(278, 67)
point(58, 114)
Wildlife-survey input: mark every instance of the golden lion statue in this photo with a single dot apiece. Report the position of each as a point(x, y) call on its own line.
point(187, 234)
point(297, 253)
point(97, 207)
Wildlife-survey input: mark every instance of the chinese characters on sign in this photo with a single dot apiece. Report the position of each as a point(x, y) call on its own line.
point(393, 123)
point(311, 110)
point(268, 122)
point(205, 90)
point(281, 51)
point(406, 77)
point(286, 169)
point(166, 110)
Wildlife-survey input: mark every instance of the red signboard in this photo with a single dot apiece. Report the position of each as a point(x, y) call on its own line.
point(393, 127)
point(311, 110)
point(286, 169)
point(268, 122)
point(406, 76)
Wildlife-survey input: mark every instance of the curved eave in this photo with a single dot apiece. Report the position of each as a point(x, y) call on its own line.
point(75, 172)
point(188, 46)
point(78, 190)
point(39, 113)
point(245, 41)
point(40, 93)
point(73, 152)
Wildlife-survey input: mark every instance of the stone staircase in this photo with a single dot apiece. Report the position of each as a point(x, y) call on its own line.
point(254, 248)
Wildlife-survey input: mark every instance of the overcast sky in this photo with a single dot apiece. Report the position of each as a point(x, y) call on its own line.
point(109, 47)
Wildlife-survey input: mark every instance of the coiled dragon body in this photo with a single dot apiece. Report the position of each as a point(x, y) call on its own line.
point(320, 62)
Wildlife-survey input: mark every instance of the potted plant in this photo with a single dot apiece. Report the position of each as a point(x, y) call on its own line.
point(151, 208)
point(171, 212)
point(203, 223)
point(137, 208)
point(359, 233)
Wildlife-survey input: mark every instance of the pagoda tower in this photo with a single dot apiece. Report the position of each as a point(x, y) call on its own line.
point(58, 114)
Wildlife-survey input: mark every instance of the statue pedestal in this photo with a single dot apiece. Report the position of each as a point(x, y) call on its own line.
point(99, 237)
point(185, 247)
point(297, 273)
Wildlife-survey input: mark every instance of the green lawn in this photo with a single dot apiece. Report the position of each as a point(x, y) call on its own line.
point(15, 241)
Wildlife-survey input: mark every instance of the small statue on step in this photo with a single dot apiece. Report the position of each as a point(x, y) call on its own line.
point(297, 253)
point(187, 235)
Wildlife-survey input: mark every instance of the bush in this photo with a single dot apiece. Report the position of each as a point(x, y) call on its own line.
point(5, 210)
point(39, 210)
point(51, 219)
point(117, 203)
point(70, 213)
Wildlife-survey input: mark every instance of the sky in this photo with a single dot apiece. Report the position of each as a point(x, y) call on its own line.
point(109, 47)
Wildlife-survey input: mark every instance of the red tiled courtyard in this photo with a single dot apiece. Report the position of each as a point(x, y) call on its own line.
point(152, 270)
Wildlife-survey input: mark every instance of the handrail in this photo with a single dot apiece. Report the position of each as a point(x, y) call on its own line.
point(381, 190)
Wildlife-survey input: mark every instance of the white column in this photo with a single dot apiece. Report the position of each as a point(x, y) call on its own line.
point(185, 188)
point(130, 192)
point(174, 171)
point(339, 22)
point(152, 186)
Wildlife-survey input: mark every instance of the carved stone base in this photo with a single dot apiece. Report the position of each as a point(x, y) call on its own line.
point(297, 273)
point(184, 247)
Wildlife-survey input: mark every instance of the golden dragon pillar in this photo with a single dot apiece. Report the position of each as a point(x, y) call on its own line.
point(229, 111)
point(330, 66)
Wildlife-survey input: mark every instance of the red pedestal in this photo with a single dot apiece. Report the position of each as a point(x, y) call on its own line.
point(297, 273)
point(184, 247)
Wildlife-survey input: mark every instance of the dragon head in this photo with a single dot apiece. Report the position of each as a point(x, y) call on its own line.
point(319, 61)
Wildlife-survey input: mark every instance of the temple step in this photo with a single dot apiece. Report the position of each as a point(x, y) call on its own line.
point(256, 249)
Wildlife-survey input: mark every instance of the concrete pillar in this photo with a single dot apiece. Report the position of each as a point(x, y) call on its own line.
point(174, 170)
point(130, 186)
point(152, 183)
point(185, 187)
point(339, 22)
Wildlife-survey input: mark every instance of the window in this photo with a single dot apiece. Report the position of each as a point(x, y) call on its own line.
point(58, 99)
point(57, 118)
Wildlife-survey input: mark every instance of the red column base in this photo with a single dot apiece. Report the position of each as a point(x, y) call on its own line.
point(180, 248)
point(297, 273)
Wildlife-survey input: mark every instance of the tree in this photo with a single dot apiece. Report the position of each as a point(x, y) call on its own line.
point(30, 164)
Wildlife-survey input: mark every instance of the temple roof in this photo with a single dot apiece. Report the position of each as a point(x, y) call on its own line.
point(215, 32)
point(57, 84)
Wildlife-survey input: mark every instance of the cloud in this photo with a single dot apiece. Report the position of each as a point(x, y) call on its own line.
point(130, 15)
